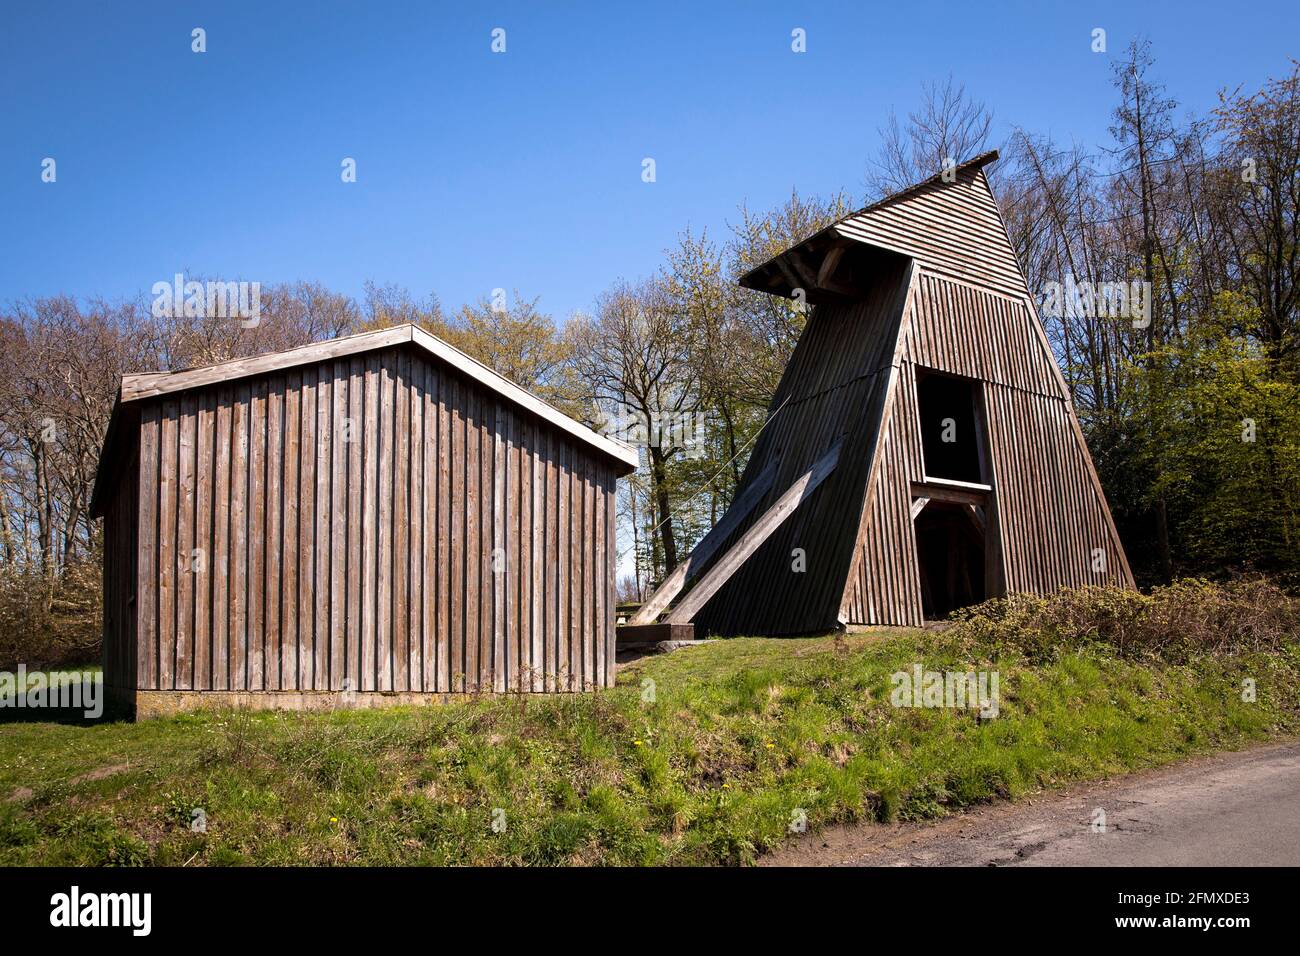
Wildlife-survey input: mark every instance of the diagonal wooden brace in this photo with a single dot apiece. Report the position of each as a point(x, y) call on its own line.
point(750, 541)
point(699, 557)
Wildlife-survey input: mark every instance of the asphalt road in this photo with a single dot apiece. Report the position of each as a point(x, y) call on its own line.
point(1237, 809)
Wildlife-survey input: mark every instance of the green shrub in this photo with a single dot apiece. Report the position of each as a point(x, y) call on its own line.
point(50, 624)
point(1188, 618)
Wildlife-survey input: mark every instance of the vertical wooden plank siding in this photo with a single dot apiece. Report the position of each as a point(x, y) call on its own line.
point(1051, 523)
point(293, 648)
point(430, 566)
point(310, 645)
point(445, 635)
point(147, 577)
point(122, 573)
point(457, 557)
point(413, 554)
point(537, 558)
point(384, 527)
point(378, 523)
point(499, 566)
point(369, 597)
point(273, 476)
point(832, 391)
point(257, 543)
point(168, 511)
point(346, 557)
point(238, 599)
point(204, 517)
point(186, 564)
point(220, 560)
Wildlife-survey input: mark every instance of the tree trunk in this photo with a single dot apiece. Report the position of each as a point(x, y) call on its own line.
point(658, 475)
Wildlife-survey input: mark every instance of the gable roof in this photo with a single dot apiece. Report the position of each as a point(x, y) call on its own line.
point(145, 385)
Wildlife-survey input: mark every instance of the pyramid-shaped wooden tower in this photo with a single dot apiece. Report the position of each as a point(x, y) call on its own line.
point(921, 452)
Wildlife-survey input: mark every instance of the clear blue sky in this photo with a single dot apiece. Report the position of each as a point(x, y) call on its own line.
point(519, 170)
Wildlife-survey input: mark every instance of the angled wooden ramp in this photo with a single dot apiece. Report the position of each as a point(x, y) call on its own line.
point(737, 554)
point(697, 559)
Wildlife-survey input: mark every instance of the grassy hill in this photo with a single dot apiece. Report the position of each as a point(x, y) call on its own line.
point(706, 755)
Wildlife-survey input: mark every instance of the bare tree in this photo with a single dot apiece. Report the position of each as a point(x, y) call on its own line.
point(635, 358)
point(949, 127)
point(1260, 189)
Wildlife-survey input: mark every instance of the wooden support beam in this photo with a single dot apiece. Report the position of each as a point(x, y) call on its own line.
point(795, 255)
point(750, 541)
point(798, 275)
point(829, 263)
point(993, 579)
point(933, 482)
point(813, 279)
point(794, 280)
point(956, 492)
point(918, 506)
point(977, 516)
point(672, 585)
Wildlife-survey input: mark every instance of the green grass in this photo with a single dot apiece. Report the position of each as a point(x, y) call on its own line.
point(741, 734)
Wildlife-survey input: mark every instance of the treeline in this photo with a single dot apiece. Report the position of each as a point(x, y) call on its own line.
point(685, 351)
point(1191, 403)
point(1165, 267)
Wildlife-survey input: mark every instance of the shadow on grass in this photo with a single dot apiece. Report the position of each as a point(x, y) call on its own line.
point(61, 703)
point(73, 716)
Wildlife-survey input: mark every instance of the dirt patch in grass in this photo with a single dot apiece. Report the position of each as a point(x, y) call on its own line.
point(99, 773)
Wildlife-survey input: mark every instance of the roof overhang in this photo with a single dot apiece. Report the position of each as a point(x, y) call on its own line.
point(823, 264)
point(828, 267)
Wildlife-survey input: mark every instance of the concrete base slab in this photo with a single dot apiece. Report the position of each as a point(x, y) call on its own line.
point(658, 647)
point(165, 703)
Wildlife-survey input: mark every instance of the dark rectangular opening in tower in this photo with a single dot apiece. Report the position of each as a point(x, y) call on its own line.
point(950, 549)
point(951, 434)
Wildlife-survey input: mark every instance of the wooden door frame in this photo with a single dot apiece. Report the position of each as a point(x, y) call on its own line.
point(982, 494)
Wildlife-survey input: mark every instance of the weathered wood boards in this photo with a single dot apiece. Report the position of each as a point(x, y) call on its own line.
point(1049, 525)
point(754, 536)
point(377, 521)
point(939, 292)
point(829, 394)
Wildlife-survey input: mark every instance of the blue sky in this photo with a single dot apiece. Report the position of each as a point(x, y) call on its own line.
point(522, 170)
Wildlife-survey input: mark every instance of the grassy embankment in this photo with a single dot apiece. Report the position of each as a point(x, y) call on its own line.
point(740, 736)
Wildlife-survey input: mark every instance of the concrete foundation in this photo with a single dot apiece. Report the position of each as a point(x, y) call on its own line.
point(165, 703)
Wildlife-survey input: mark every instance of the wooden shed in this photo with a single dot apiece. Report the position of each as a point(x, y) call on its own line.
point(921, 452)
point(367, 520)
